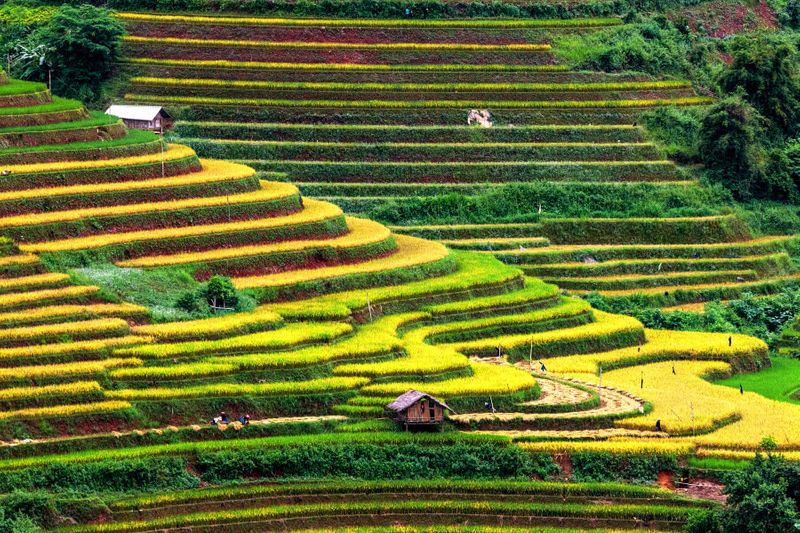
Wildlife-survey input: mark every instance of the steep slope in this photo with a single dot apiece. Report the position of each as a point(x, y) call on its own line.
point(365, 113)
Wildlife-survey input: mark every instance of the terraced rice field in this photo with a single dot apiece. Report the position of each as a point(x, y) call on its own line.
point(362, 113)
point(351, 315)
point(528, 506)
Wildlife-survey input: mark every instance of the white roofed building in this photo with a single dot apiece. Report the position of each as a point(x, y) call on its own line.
point(142, 117)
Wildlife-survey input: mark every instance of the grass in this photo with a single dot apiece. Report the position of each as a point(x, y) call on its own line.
point(322, 439)
point(21, 88)
point(408, 508)
point(172, 151)
point(777, 382)
point(411, 252)
point(58, 104)
point(134, 137)
point(156, 290)
point(286, 338)
point(457, 487)
point(213, 172)
point(95, 119)
point(362, 233)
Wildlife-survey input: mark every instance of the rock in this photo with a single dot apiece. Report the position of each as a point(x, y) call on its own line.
point(481, 117)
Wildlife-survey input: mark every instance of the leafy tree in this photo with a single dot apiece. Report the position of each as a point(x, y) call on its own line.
point(81, 45)
point(791, 15)
point(759, 499)
point(730, 144)
point(220, 292)
point(766, 66)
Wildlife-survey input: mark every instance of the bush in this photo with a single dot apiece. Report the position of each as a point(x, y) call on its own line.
point(655, 46)
point(406, 461)
point(217, 294)
point(520, 202)
point(765, 67)
point(80, 46)
point(731, 146)
point(677, 129)
point(758, 498)
point(759, 317)
point(601, 467)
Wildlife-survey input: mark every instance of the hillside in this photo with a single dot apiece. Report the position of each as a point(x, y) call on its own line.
point(290, 134)
point(373, 117)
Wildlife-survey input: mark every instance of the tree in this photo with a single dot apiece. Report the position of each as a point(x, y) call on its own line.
point(83, 44)
point(766, 66)
point(730, 147)
point(220, 293)
point(758, 498)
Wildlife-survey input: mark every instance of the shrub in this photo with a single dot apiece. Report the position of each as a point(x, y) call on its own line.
point(389, 461)
point(765, 67)
point(731, 148)
point(758, 500)
point(678, 129)
point(654, 46)
point(82, 45)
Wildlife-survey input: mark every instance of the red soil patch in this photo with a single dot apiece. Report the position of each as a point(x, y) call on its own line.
point(719, 19)
point(563, 461)
point(665, 480)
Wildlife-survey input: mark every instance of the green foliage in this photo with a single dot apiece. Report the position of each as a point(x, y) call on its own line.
point(733, 150)
point(388, 461)
point(776, 382)
point(155, 289)
point(766, 66)
point(113, 476)
point(760, 317)
point(217, 294)
point(656, 46)
point(220, 292)
point(591, 466)
point(790, 16)
point(79, 45)
point(519, 202)
point(758, 500)
point(677, 129)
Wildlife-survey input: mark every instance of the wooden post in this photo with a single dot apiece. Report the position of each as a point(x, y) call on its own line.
point(600, 385)
point(163, 171)
point(530, 356)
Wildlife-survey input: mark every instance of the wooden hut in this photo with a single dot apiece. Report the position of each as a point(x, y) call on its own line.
point(416, 409)
point(142, 117)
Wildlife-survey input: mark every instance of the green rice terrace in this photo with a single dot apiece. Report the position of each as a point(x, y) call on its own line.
point(561, 417)
point(366, 114)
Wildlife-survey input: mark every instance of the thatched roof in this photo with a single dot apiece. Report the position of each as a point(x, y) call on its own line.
point(404, 401)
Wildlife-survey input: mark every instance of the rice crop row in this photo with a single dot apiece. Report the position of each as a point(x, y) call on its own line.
point(315, 386)
point(290, 336)
point(411, 104)
point(354, 87)
point(373, 23)
point(337, 45)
